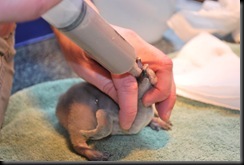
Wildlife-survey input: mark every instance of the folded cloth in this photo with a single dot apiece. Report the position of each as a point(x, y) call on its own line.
point(220, 17)
point(207, 70)
point(200, 132)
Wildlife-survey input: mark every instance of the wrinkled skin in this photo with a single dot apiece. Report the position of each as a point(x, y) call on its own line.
point(89, 114)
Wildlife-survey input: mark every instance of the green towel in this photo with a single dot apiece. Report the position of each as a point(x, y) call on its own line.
point(200, 132)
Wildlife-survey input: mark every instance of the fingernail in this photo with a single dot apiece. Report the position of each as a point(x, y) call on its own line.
point(125, 127)
point(147, 104)
point(167, 116)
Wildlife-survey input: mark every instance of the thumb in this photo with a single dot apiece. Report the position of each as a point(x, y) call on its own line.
point(127, 91)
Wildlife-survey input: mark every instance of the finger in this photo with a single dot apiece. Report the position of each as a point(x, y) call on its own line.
point(162, 89)
point(95, 74)
point(85, 67)
point(165, 107)
point(127, 90)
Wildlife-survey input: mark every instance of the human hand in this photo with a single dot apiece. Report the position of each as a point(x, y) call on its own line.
point(24, 10)
point(164, 92)
point(123, 88)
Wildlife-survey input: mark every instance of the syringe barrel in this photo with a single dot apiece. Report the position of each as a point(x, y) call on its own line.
point(84, 26)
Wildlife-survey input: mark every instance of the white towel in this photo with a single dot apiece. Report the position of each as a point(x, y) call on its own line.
point(207, 70)
point(220, 17)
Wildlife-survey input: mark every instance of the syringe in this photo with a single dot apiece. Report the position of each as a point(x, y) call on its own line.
point(84, 26)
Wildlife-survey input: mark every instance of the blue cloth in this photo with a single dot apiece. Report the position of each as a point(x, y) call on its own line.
point(32, 32)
